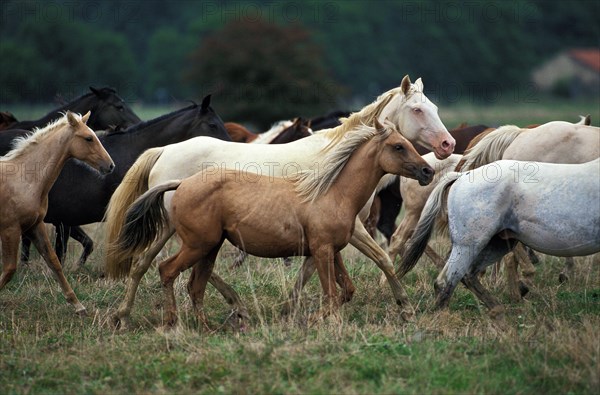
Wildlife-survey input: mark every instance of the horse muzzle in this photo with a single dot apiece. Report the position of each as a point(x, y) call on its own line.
point(425, 175)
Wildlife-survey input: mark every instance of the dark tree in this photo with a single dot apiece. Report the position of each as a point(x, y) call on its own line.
point(261, 72)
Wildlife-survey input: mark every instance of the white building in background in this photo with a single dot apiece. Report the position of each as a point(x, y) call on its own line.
point(573, 73)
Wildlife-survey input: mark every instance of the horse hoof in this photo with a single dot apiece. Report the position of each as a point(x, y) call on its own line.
point(563, 278)
point(81, 311)
point(523, 289)
point(407, 316)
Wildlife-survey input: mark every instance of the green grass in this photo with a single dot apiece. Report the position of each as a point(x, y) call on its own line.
point(549, 344)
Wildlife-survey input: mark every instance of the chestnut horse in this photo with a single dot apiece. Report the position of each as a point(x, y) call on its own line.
point(239, 133)
point(317, 219)
point(27, 173)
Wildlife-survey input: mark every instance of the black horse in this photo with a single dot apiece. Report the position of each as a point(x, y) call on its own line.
point(109, 111)
point(79, 196)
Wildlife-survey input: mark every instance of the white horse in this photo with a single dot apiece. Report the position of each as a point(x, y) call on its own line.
point(406, 107)
point(414, 198)
point(552, 208)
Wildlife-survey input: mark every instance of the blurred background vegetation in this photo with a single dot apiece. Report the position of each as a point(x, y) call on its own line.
point(269, 60)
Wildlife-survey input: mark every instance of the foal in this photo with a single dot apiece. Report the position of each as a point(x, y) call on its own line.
point(316, 220)
point(27, 173)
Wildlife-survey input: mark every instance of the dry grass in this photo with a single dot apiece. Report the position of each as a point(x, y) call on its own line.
point(549, 343)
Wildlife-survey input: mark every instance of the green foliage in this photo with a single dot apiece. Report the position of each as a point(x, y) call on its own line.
point(464, 50)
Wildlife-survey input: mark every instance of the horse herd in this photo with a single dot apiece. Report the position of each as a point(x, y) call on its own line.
point(301, 192)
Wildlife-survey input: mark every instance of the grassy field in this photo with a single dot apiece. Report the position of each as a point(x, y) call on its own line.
point(548, 344)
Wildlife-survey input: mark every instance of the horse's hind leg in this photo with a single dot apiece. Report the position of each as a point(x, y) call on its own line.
point(567, 271)
point(240, 311)
point(527, 269)
point(123, 314)
point(10, 248)
point(25, 249)
point(42, 243)
point(171, 269)
point(86, 242)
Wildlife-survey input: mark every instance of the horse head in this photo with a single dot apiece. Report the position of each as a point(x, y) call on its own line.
point(110, 110)
point(399, 156)
point(417, 117)
point(208, 123)
point(86, 146)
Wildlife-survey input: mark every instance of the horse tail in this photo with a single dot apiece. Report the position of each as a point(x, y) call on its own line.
point(144, 221)
point(133, 185)
point(434, 208)
point(490, 148)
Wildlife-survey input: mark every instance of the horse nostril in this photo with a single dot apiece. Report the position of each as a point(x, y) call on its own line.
point(428, 171)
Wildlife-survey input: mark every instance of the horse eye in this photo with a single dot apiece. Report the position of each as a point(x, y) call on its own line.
point(212, 125)
point(89, 139)
point(417, 110)
point(398, 147)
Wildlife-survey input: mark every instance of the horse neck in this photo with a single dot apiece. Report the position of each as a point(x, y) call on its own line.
point(162, 132)
point(359, 178)
point(45, 160)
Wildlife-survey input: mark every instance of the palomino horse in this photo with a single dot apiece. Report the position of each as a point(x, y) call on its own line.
point(553, 142)
point(316, 220)
point(109, 111)
point(406, 106)
point(78, 197)
point(24, 195)
point(553, 208)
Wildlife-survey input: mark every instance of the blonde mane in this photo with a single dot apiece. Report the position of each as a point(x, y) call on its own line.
point(311, 184)
point(37, 135)
point(491, 147)
point(366, 116)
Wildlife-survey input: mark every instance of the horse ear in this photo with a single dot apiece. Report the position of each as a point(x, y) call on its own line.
point(73, 121)
point(405, 84)
point(205, 102)
point(102, 94)
point(298, 122)
point(419, 84)
point(85, 118)
point(378, 126)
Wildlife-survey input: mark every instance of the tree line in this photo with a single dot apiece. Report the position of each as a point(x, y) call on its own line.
point(285, 54)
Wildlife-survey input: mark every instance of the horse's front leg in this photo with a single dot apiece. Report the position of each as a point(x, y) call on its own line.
point(365, 244)
point(323, 259)
point(40, 239)
point(306, 271)
point(10, 249)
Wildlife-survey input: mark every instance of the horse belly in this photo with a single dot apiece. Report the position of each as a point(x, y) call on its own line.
point(281, 239)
